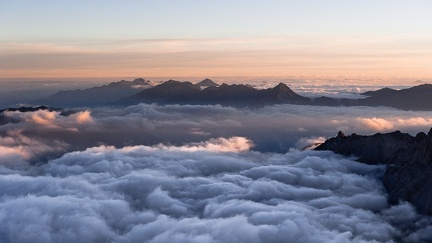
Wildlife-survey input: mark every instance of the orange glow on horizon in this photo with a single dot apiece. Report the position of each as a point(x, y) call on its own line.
point(288, 56)
point(211, 72)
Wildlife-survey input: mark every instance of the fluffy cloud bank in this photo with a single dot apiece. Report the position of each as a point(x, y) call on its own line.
point(383, 124)
point(233, 144)
point(201, 192)
point(36, 136)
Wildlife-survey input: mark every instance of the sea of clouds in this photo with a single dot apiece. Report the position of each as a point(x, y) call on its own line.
point(213, 191)
point(42, 135)
point(198, 174)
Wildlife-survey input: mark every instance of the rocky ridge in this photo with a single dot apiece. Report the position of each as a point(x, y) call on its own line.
point(408, 174)
point(208, 92)
point(236, 95)
point(95, 96)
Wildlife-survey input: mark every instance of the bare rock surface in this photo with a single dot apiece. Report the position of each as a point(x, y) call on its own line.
point(408, 175)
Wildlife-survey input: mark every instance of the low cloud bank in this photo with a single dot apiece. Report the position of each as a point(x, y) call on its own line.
point(211, 191)
point(42, 135)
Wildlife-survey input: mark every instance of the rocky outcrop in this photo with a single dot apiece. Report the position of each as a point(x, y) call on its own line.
point(408, 174)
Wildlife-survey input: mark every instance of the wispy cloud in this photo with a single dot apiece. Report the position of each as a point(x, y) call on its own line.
point(305, 55)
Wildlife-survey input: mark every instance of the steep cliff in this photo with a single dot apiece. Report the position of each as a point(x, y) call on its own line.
point(408, 175)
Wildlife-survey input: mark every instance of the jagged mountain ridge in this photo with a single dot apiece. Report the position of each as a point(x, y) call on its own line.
point(408, 174)
point(414, 98)
point(207, 83)
point(238, 95)
point(208, 92)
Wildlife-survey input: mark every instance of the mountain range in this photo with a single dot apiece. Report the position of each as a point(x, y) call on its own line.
point(95, 96)
point(208, 92)
point(237, 95)
point(414, 98)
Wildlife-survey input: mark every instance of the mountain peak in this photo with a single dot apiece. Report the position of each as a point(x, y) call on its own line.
point(140, 81)
point(340, 135)
point(381, 92)
point(407, 159)
point(170, 87)
point(207, 83)
point(174, 84)
point(127, 84)
point(282, 87)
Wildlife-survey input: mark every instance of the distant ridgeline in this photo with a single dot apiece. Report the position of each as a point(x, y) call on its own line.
point(208, 92)
point(408, 174)
point(96, 96)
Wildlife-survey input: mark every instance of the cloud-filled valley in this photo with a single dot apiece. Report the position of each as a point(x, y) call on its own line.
point(194, 193)
point(35, 136)
point(215, 121)
point(198, 174)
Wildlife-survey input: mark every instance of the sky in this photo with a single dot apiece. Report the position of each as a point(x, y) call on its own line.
point(95, 39)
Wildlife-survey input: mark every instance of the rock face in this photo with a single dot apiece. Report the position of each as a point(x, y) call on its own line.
point(408, 175)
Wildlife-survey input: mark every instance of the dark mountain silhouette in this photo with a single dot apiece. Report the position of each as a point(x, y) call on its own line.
point(414, 98)
point(239, 95)
point(169, 92)
point(236, 95)
point(381, 92)
point(408, 174)
point(95, 96)
point(206, 83)
point(31, 109)
point(208, 92)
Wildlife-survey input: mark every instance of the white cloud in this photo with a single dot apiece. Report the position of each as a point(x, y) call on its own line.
point(377, 124)
point(233, 144)
point(170, 194)
point(309, 143)
point(390, 123)
point(273, 129)
point(83, 117)
point(17, 148)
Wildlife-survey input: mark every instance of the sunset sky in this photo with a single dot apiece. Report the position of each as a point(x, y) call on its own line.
point(111, 38)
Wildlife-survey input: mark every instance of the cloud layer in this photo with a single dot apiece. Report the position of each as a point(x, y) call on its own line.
point(196, 193)
point(198, 174)
point(38, 136)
